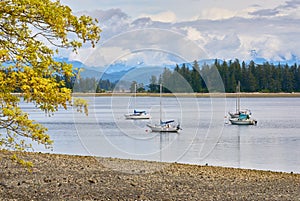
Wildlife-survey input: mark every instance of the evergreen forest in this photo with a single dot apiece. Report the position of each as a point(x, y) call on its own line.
point(266, 77)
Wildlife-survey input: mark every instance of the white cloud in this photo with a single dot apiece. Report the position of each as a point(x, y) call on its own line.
point(82, 54)
point(166, 16)
point(216, 14)
point(266, 46)
point(161, 45)
point(151, 58)
point(193, 34)
point(246, 13)
point(100, 56)
point(225, 47)
point(219, 31)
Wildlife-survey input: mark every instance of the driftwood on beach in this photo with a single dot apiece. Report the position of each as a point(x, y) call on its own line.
point(65, 177)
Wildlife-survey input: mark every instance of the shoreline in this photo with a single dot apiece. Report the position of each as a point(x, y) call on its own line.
point(72, 177)
point(194, 95)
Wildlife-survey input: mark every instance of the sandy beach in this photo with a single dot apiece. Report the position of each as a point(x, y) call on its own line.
point(66, 177)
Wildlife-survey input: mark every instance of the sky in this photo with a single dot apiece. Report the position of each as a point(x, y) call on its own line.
point(165, 32)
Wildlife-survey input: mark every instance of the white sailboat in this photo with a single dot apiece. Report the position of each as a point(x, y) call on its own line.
point(164, 126)
point(241, 117)
point(238, 110)
point(137, 114)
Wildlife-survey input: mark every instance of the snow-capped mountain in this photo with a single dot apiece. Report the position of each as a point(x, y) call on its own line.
point(120, 70)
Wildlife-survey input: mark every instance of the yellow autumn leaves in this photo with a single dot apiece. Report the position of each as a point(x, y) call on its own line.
point(31, 32)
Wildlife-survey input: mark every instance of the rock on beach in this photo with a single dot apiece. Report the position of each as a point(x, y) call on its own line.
point(66, 177)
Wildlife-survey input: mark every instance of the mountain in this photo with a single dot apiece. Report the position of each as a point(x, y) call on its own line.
point(76, 64)
point(141, 71)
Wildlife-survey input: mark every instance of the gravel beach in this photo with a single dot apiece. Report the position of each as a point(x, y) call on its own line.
point(65, 177)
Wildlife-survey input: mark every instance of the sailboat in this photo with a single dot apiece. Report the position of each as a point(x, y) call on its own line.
point(241, 117)
point(238, 110)
point(137, 114)
point(164, 126)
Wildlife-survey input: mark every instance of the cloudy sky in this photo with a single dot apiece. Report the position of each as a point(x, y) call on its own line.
point(169, 31)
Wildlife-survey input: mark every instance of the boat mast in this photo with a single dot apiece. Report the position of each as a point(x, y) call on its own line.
point(238, 97)
point(160, 109)
point(134, 95)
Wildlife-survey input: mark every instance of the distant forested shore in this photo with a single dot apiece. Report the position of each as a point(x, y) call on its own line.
point(192, 78)
point(193, 95)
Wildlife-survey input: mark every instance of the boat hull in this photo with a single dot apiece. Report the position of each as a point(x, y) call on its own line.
point(236, 121)
point(159, 128)
point(137, 116)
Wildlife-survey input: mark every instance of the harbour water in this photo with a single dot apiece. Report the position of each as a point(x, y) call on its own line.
point(206, 138)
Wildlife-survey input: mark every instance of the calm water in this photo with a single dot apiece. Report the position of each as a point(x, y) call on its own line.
point(274, 144)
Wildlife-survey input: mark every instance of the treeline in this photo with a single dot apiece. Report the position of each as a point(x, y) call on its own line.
point(253, 77)
point(87, 84)
point(264, 77)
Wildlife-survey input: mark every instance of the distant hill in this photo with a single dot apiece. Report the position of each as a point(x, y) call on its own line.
point(121, 70)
